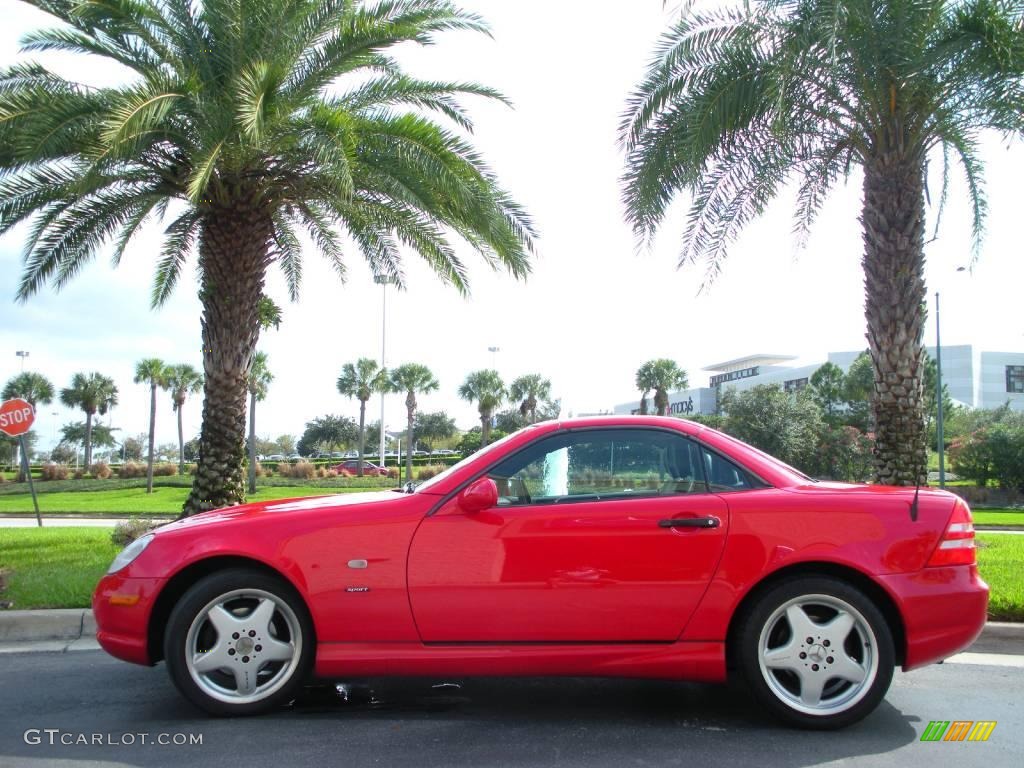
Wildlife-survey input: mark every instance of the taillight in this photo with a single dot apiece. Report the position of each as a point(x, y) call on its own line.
point(957, 544)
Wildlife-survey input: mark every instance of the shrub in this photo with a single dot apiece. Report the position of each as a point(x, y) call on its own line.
point(166, 469)
point(53, 472)
point(393, 473)
point(79, 474)
point(429, 471)
point(300, 470)
point(126, 532)
point(100, 470)
point(132, 469)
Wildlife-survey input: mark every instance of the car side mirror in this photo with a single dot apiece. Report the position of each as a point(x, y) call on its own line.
point(479, 495)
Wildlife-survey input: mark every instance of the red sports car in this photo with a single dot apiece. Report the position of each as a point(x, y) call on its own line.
point(623, 546)
point(351, 468)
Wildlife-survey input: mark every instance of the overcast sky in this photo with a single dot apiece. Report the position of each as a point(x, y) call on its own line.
point(594, 307)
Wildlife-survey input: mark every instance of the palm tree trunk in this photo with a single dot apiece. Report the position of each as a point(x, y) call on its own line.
point(485, 429)
point(252, 442)
point(893, 220)
point(181, 442)
point(410, 412)
point(362, 438)
point(88, 441)
point(152, 436)
point(233, 257)
point(661, 402)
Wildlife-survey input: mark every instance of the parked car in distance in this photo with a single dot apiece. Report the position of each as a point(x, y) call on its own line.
point(276, 457)
point(630, 546)
point(337, 455)
point(351, 468)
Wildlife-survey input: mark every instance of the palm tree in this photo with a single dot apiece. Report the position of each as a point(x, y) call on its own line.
point(530, 390)
point(92, 394)
point(258, 383)
point(663, 376)
point(153, 372)
point(360, 380)
point(645, 383)
point(37, 390)
point(740, 100)
point(182, 380)
point(413, 379)
point(34, 387)
point(487, 390)
point(240, 120)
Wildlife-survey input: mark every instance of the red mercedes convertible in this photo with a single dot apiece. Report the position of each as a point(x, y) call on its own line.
point(621, 546)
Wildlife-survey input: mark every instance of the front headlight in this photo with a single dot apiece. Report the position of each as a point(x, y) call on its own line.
point(128, 554)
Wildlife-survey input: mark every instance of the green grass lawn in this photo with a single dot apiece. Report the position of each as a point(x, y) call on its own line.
point(998, 516)
point(1001, 560)
point(53, 567)
point(135, 501)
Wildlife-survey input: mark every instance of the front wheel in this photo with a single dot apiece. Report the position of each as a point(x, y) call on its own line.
point(816, 652)
point(239, 642)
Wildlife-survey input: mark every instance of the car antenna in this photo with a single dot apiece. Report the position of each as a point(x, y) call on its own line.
point(913, 504)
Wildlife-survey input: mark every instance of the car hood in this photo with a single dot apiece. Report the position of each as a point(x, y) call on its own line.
point(299, 506)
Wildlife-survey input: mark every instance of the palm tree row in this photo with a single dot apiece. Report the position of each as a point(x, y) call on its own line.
point(181, 380)
point(486, 389)
point(660, 376)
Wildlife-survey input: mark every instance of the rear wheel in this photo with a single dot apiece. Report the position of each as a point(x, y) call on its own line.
point(239, 642)
point(816, 652)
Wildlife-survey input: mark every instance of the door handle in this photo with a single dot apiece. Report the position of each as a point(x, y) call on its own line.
point(690, 522)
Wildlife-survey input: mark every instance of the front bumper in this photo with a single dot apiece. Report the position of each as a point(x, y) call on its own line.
point(122, 607)
point(944, 611)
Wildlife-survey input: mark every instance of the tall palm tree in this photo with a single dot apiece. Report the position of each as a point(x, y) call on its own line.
point(662, 376)
point(182, 380)
point(258, 383)
point(92, 394)
point(154, 373)
point(360, 380)
point(740, 100)
point(530, 389)
point(413, 379)
point(37, 390)
point(487, 390)
point(257, 126)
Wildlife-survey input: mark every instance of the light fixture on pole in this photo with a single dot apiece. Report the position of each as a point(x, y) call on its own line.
point(382, 281)
point(22, 354)
point(494, 356)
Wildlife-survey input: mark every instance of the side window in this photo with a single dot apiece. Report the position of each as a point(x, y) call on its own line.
point(723, 475)
point(600, 464)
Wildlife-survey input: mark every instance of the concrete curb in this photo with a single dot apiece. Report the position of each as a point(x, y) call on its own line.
point(63, 626)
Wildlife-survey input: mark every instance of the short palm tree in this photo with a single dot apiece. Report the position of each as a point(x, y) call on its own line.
point(487, 390)
point(247, 123)
point(258, 383)
point(360, 380)
point(35, 388)
point(413, 379)
point(740, 100)
point(530, 390)
point(662, 376)
point(182, 380)
point(92, 394)
point(154, 373)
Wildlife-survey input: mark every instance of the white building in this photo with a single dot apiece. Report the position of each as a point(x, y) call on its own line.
point(975, 378)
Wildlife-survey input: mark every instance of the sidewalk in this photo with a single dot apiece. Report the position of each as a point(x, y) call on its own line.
point(74, 629)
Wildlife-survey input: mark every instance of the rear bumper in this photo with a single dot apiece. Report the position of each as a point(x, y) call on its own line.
point(122, 607)
point(944, 611)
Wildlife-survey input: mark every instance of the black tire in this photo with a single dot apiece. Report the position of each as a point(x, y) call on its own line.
point(242, 587)
point(781, 690)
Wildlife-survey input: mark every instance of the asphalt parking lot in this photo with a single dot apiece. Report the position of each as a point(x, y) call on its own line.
point(484, 722)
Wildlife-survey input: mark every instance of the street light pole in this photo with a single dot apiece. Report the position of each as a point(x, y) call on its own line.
point(22, 354)
point(938, 398)
point(494, 356)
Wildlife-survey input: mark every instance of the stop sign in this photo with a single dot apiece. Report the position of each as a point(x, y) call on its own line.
point(16, 417)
